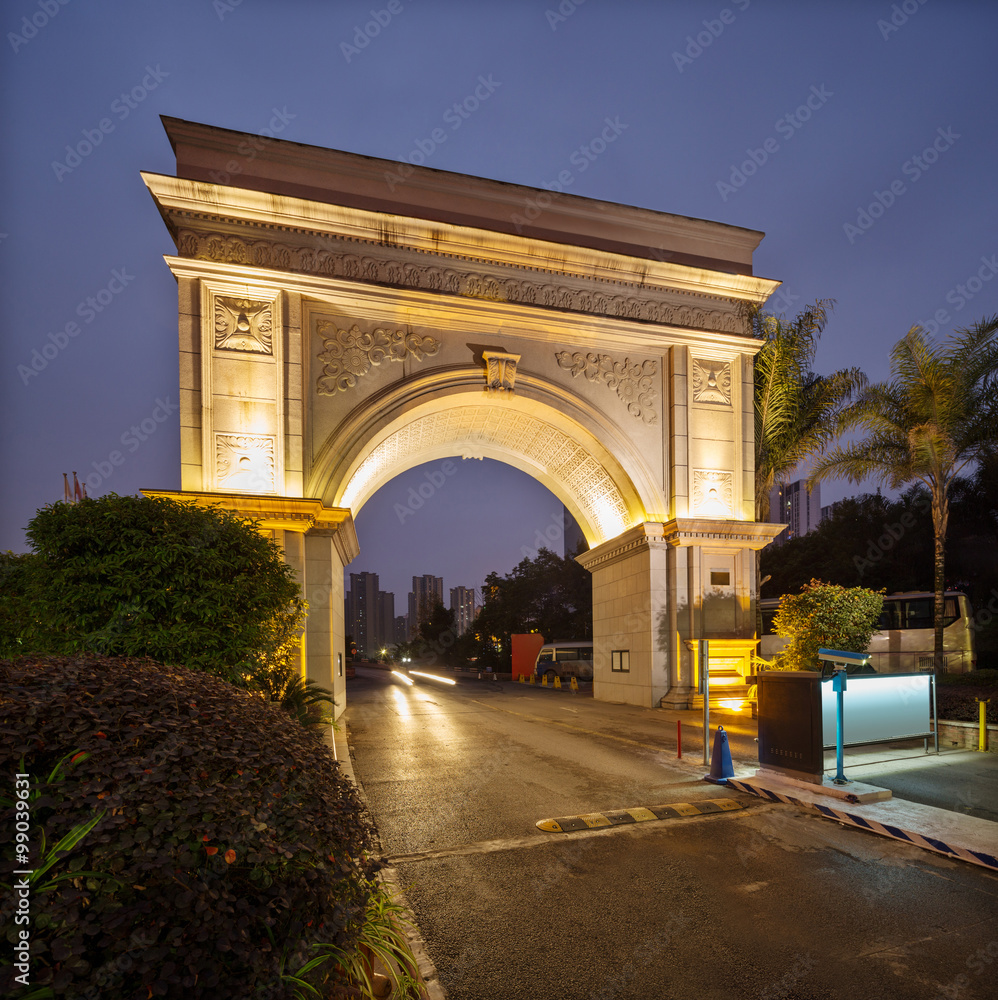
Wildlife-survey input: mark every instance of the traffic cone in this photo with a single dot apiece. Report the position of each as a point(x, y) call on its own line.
point(557, 682)
point(721, 767)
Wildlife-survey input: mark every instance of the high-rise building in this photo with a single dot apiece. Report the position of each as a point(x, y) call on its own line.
point(462, 603)
point(794, 505)
point(427, 590)
point(361, 611)
point(369, 615)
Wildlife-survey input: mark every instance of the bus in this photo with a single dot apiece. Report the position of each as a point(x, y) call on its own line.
point(573, 658)
point(904, 640)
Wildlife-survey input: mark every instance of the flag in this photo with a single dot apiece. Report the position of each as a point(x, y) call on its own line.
point(65, 488)
point(77, 491)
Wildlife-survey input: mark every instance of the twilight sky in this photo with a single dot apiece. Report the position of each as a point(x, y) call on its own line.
point(860, 136)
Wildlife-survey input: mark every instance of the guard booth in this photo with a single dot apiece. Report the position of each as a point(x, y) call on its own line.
point(798, 714)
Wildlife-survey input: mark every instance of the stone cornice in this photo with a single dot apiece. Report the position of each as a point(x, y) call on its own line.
point(247, 227)
point(276, 513)
point(685, 531)
point(718, 532)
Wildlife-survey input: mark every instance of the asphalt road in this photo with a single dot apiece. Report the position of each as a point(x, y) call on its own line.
point(763, 901)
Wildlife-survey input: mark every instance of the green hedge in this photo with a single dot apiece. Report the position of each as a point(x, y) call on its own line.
point(227, 849)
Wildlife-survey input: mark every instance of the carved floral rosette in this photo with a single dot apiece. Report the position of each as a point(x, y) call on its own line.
point(634, 383)
point(348, 355)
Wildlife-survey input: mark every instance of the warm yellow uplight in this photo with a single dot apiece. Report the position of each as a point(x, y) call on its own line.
point(432, 677)
point(733, 704)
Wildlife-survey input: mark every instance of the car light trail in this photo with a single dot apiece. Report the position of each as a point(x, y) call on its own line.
point(402, 677)
point(432, 677)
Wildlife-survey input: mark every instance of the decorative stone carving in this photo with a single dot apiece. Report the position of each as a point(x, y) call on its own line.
point(245, 462)
point(334, 258)
point(243, 325)
point(633, 382)
point(350, 354)
point(500, 371)
point(711, 381)
point(713, 493)
point(472, 429)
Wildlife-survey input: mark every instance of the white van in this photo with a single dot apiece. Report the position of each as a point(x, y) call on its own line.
point(565, 660)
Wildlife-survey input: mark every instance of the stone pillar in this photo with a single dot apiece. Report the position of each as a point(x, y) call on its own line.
point(630, 616)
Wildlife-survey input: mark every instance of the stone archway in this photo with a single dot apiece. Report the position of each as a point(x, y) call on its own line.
point(336, 330)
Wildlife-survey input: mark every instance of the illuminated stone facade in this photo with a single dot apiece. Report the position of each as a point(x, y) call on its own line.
point(336, 331)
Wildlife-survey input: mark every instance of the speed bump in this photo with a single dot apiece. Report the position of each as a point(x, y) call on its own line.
point(638, 814)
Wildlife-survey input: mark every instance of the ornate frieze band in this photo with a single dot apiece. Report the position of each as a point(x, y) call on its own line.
point(350, 354)
point(330, 257)
point(634, 382)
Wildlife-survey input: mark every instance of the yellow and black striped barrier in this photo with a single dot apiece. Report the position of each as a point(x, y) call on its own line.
point(640, 814)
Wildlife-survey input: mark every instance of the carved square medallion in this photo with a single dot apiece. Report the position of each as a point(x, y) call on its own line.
point(711, 381)
point(243, 325)
point(245, 462)
point(713, 493)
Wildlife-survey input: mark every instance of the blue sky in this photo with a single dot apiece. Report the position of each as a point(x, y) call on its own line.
point(861, 137)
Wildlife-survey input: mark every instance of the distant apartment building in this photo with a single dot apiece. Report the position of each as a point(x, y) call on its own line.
point(369, 614)
point(794, 505)
point(427, 590)
point(462, 603)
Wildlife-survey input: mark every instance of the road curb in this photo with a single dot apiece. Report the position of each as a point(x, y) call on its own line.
point(427, 970)
point(959, 831)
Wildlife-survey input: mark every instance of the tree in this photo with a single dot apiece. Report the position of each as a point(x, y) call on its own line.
point(829, 616)
point(547, 594)
point(139, 576)
point(795, 409)
point(935, 416)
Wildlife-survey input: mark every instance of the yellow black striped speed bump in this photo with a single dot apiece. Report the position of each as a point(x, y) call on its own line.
point(640, 814)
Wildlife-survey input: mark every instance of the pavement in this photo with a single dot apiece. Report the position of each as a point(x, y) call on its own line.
point(944, 802)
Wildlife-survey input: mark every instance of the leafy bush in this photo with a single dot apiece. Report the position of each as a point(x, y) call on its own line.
point(141, 576)
point(227, 851)
point(826, 615)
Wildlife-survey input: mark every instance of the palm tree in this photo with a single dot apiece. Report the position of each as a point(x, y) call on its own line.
point(937, 414)
point(796, 411)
